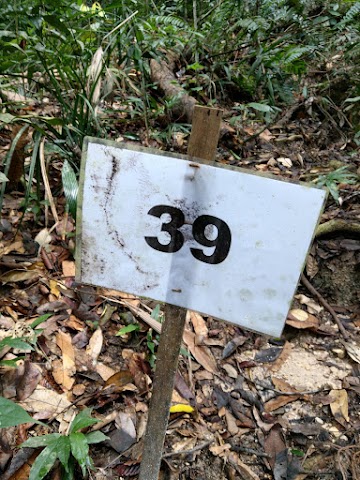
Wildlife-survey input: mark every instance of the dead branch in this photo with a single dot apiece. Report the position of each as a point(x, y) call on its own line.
point(162, 74)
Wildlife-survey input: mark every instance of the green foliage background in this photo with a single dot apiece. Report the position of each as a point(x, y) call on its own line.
point(228, 51)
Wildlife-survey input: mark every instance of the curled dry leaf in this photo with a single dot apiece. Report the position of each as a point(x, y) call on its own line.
point(311, 305)
point(284, 355)
point(201, 354)
point(200, 327)
point(353, 350)
point(300, 319)
point(231, 346)
point(286, 162)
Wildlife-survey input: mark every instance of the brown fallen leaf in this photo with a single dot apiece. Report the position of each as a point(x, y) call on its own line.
point(17, 246)
point(54, 288)
point(183, 389)
point(279, 402)
point(339, 406)
point(45, 403)
point(283, 386)
point(200, 327)
point(312, 267)
point(68, 268)
point(201, 354)
point(311, 305)
point(300, 319)
point(120, 379)
point(284, 355)
point(353, 350)
point(95, 345)
point(64, 370)
point(19, 276)
point(28, 377)
point(220, 450)
point(231, 423)
point(274, 444)
point(244, 471)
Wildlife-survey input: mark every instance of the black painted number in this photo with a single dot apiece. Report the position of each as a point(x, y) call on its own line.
point(221, 243)
point(176, 237)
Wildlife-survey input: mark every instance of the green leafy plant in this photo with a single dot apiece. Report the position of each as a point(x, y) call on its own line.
point(11, 414)
point(333, 179)
point(70, 449)
point(133, 327)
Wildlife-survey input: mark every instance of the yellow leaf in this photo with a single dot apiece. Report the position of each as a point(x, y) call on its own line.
point(96, 8)
point(54, 288)
point(181, 408)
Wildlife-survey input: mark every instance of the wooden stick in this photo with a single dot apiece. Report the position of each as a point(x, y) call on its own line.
point(325, 304)
point(203, 142)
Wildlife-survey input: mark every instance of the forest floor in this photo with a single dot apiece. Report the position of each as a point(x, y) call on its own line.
point(262, 408)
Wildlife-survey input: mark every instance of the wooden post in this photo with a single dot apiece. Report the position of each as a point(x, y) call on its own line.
point(202, 144)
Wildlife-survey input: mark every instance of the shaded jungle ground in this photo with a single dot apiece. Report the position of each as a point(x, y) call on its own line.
point(264, 408)
point(286, 76)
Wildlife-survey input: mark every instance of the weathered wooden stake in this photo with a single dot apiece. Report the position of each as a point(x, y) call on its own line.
point(202, 144)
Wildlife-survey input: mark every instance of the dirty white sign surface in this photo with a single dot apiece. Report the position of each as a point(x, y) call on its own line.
point(225, 243)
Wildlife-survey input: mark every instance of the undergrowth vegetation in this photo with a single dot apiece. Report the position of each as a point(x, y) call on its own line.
point(70, 69)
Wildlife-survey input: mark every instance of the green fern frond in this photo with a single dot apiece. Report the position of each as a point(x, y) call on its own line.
point(350, 14)
point(294, 54)
point(168, 20)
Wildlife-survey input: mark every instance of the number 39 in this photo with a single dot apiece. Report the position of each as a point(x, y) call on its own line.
point(221, 242)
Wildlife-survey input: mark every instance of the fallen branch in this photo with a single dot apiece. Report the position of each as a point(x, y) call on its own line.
point(337, 226)
point(162, 74)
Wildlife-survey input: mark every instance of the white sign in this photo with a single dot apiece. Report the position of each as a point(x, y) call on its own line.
point(219, 241)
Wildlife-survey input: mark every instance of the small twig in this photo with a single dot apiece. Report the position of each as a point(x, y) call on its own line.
point(121, 24)
point(249, 451)
point(146, 317)
point(267, 387)
point(188, 452)
point(325, 304)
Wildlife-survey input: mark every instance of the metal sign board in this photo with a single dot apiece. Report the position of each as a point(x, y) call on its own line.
point(224, 242)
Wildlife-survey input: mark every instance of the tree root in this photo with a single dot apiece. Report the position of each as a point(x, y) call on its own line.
point(337, 226)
